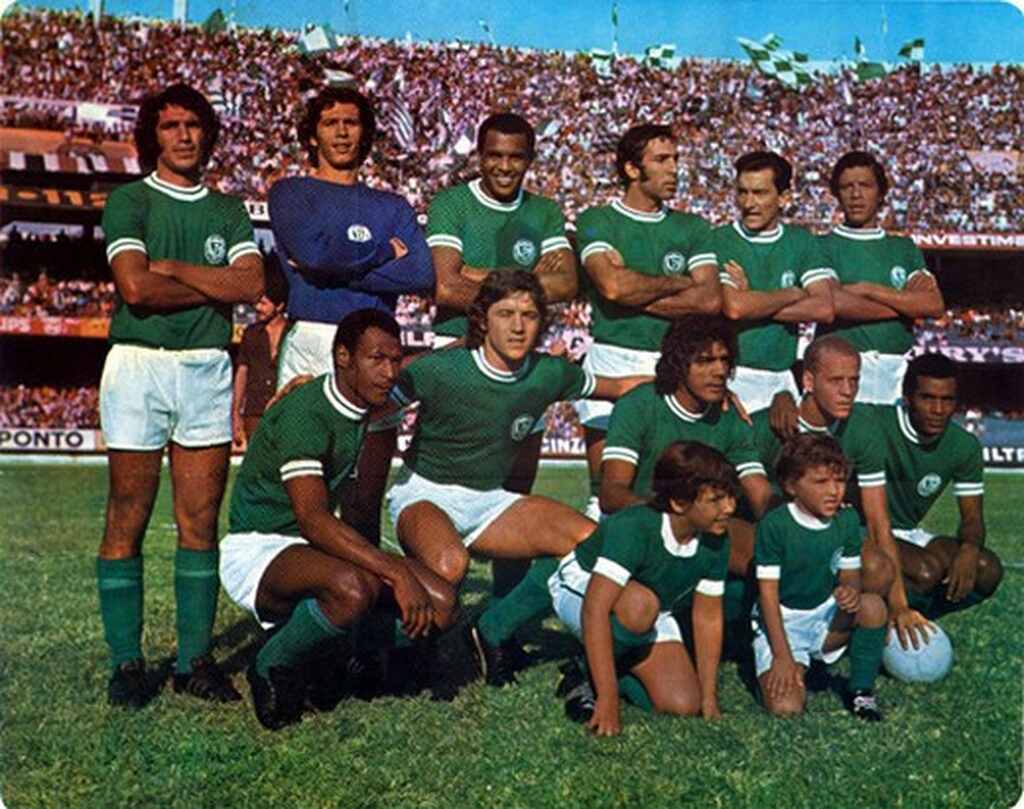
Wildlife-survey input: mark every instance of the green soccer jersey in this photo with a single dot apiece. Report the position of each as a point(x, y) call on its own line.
point(869, 254)
point(805, 554)
point(644, 423)
point(917, 472)
point(473, 418)
point(314, 430)
point(857, 436)
point(638, 543)
point(783, 257)
point(194, 225)
point(491, 234)
point(655, 244)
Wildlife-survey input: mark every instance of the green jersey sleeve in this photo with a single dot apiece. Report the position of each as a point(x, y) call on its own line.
point(414, 381)
point(768, 548)
point(444, 222)
point(703, 250)
point(622, 555)
point(849, 528)
point(553, 237)
point(627, 429)
point(816, 264)
point(124, 222)
point(713, 582)
point(591, 234)
point(576, 382)
point(302, 446)
point(969, 474)
point(240, 238)
point(742, 452)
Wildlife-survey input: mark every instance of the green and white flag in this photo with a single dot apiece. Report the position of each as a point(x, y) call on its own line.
point(603, 61)
point(663, 56)
point(788, 67)
point(866, 70)
point(316, 39)
point(913, 50)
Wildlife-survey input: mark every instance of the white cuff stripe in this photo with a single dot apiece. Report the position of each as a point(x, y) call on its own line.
point(612, 570)
point(121, 245)
point(711, 587)
point(745, 469)
point(305, 466)
point(968, 489)
point(589, 384)
point(593, 248)
point(871, 479)
point(769, 571)
point(849, 562)
point(243, 249)
point(444, 240)
point(820, 274)
point(923, 271)
point(554, 243)
point(621, 454)
point(702, 258)
point(725, 278)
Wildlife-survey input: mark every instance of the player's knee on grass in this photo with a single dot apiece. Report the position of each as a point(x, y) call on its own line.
point(990, 573)
point(789, 704)
point(877, 572)
point(348, 596)
point(680, 702)
point(872, 612)
point(636, 608)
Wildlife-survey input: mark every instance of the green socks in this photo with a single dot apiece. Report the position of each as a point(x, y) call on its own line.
point(196, 585)
point(530, 599)
point(633, 691)
point(506, 574)
point(120, 590)
point(305, 630)
point(866, 644)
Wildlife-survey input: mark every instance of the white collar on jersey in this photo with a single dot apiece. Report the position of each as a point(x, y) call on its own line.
point(907, 427)
point(762, 236)
point(807, 520)
point(497, 374)
point(683, 550)
point(339, 402)
point(804, 426)
point(476, 187)
point(860, 234)
point(190, 194)
point(621, 207)
point(681, 412)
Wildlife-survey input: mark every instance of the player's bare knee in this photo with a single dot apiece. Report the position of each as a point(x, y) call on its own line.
point(349, 595)
point(636, 608)
point(452, 564)
point(990, 573)
point(872, 612)
point(785, 706)
point(927, 573)
point(678, 703)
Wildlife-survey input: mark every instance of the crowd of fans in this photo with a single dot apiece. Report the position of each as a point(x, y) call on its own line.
point(44, 297)
point(1001, 325)
point(922, 124)
point(49, 407)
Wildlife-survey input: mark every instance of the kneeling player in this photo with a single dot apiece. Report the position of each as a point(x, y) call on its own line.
point(810, 601)
point(288, 559)
point(617, 591)
point(925, 451)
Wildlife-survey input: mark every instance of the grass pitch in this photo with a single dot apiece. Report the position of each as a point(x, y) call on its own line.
point(955, 744)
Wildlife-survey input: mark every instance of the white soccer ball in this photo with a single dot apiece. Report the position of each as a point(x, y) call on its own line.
point(928, 664)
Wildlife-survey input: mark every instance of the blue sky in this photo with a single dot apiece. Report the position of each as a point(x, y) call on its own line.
point(974, 31)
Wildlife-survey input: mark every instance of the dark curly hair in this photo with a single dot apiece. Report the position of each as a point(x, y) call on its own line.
point(803, 452)
point(496, 286)
point(355, 323)
point(328, 97)
point(631, 146)
point(684, 467)
point(782, 171)
point(857, 159)
point(687, 337)
point(178, 95)
point(933, 366)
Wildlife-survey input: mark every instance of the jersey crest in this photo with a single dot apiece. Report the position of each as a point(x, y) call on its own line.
point(215, 249)
point(524, 252)
point(521, 427)
point(898, 276)
point(359, 233)
point(673, 263)
point(788, 279)
point(928, 485)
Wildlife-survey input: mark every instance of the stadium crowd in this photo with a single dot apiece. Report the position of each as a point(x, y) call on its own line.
point(433, 94)
point(994, 324)
point(49, 407)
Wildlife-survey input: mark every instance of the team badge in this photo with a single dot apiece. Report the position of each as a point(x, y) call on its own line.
point(521, 427)
point(673, 263)
point(359, 233)
point(788, 279)
point(928, 485)
point(898, 277)
point(215, 249)
point(833, 563)
point(524, 252)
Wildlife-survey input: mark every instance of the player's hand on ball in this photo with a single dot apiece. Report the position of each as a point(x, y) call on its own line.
point(911, 627)
point(605, 721)
point(962, 573)
point(848, 598)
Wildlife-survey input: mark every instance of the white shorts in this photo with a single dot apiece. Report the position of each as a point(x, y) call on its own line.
point(915, 536)
point(805, 632)
point(881, 377)
point(568, 585)
point(470, 510)
point(244, 558)
point(614, 362)
point(306, 349)
point(150, 396)
point(756, 387)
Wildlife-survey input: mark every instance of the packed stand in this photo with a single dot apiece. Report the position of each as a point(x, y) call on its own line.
point(48, 407)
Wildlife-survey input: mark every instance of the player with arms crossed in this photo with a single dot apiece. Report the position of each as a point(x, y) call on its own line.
point(645, 264)
point(685, 402)
point(492, 222)
point(883, 283)
point(643, 592)
point(811, 601)
point(287, 558)
point(181, 255)
point(478, 403)
point(925, 451)
point(343, 246)
point(774, 276)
